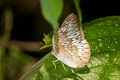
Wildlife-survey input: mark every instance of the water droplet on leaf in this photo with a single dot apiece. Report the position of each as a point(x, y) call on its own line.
point(100, 44)
point(116, 42)
point(113, 49)
point(108, 22)
point(116, 25)
point(108, 46)
point(107, 55)
point(99, 39)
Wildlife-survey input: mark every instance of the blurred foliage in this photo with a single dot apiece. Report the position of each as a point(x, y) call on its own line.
point(13, 62)
point(16, 60)
point(1, 65)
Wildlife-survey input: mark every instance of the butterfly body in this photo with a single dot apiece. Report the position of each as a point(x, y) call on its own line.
point(71, 48)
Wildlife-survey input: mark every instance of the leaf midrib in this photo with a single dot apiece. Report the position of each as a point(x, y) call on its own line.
point(107, 72)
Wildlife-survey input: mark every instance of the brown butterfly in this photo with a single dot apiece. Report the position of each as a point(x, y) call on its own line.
point(71, 48)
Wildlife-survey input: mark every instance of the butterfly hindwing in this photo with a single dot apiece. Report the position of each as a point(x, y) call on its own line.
point(72, 48)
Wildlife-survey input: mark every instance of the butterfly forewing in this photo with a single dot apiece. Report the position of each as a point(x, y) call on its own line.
point(72, 48)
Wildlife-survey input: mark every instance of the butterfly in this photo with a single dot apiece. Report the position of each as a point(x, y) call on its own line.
point(71, 48)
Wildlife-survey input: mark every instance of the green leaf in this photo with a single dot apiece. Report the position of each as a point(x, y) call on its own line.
point(51, 10)
point(79, 12)
point(103, 35)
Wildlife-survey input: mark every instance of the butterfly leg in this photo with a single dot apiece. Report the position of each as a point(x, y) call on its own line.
point(54, 63)
point(64, 67)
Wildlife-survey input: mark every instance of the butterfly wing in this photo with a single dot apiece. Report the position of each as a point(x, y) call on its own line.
point(72, 48)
